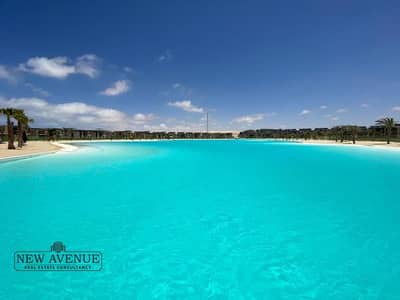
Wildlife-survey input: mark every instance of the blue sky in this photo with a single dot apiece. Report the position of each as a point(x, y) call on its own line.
point(160, 65)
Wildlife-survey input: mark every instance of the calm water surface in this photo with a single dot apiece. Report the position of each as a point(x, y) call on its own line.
point(207, 220)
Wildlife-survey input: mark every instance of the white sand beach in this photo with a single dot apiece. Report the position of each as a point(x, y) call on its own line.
point(31, 148)
point(380, 144)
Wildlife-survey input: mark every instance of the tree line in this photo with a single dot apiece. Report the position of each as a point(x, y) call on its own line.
point(385, 127)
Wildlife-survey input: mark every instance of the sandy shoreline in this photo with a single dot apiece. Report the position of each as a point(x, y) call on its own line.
point(34, 148)
point(380, 144)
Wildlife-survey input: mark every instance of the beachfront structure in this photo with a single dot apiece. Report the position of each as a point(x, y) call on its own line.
point(100, 134)
point(363, 133)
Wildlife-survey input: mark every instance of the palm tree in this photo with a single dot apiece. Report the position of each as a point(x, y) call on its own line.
point(23, 122)
point(9, 113)
point(335, 132)
point(339, 133)
point(353, 132)
point(388, 123)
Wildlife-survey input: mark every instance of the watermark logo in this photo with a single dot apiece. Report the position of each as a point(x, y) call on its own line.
point(58, 259)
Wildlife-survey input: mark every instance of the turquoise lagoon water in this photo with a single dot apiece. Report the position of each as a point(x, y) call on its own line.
point(207, 220)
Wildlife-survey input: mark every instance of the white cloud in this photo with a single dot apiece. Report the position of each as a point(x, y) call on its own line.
point(334, 118)
point(50, 67)
point(158, 127)
point(305, 112)
point(182, 125)
point(77, 114)
point(186, 105)
point(87, 64)
point(61, 67)
point(396, 108)
point(249, 119)
point(323, 107)
point(365, 105)
point(341, 110)
point(165, 57)
point(119, 87)
point(142, 118)
point(7, 74)
point(128, 69)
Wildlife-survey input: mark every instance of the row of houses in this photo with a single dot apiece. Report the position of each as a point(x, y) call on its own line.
point(76, 134)
point(363, 132)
